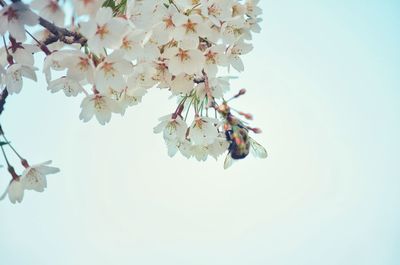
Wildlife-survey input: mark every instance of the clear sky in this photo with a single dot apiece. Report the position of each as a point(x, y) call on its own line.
point(324, 85)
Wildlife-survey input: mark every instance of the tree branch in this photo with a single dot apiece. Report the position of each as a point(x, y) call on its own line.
point(3, 97)
point(61, 34)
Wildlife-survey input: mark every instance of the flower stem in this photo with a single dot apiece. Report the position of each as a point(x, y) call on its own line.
point(9, 144)
point(5, 156)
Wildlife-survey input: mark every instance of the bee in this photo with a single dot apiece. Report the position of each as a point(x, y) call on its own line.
point(237, 134)
point(241, 144)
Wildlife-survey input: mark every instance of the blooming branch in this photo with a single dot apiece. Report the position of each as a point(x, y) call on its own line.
point(113, 52)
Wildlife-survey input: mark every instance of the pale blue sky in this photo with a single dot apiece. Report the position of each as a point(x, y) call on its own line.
point(324, 85)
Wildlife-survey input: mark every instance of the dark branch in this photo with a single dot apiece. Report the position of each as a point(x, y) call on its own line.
point(61, 34)
point(3, 97)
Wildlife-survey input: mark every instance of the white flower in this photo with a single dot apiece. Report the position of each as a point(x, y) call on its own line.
point(233, 30)
point(162, 74)
point(100, 106)
point(253, 24)
point(132, 96)
point(88, 7)
point(143, 76)
point(173, 129)
point(182, 84)
point(50, 10)
point(132, 44)
point(15, 191)
point(172, 147)
point(184, 61)
point(238, 9)
point(217, 88)
point(14, 75)
point(13, 19)
point(252, 9)
point(185, 147)
point(142, 13)
point(80, 66)
point(104, 31)
point(21, 53)
point(69, 86)
point(188, 30)
point(219, 146)
point(54, 61)
point(234, 53)
point(203, 131)
point(216, 10)
point(214, 56)
point(200, 152)
point(151, 52)
point(162, 31)
point(34, 177)
point(214, 34)
point(109, 74)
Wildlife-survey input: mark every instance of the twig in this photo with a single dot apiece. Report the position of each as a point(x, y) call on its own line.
point(61, 34)
point(3, 97)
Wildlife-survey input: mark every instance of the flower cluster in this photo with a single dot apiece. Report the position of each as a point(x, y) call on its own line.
point(113, 52)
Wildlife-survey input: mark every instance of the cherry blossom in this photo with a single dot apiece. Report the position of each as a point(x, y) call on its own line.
point(182, 84)
point(89, 7)
point(34, 177)
point(132, 44)
point(54, 61)
point(188, 30)
point(14, 76)
point(131, 96)
point(252, 9)
point(22, 54)
point(214, 56)
point(69, 86)
point(99, 106)
point(109, 54)
point(143, 76)
point(50, 10)
point(184, 61)
point(173, 128)
point(162, 31)
point(217, 87)
point(15, 17)
point(203, 130)
point(104, 31)
point(218, 147)
point(200, 152)
point(234, 53)
point(233, 30)
point(15, 191)
point(216, 10)
point(109, 73)
point(80, 66)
